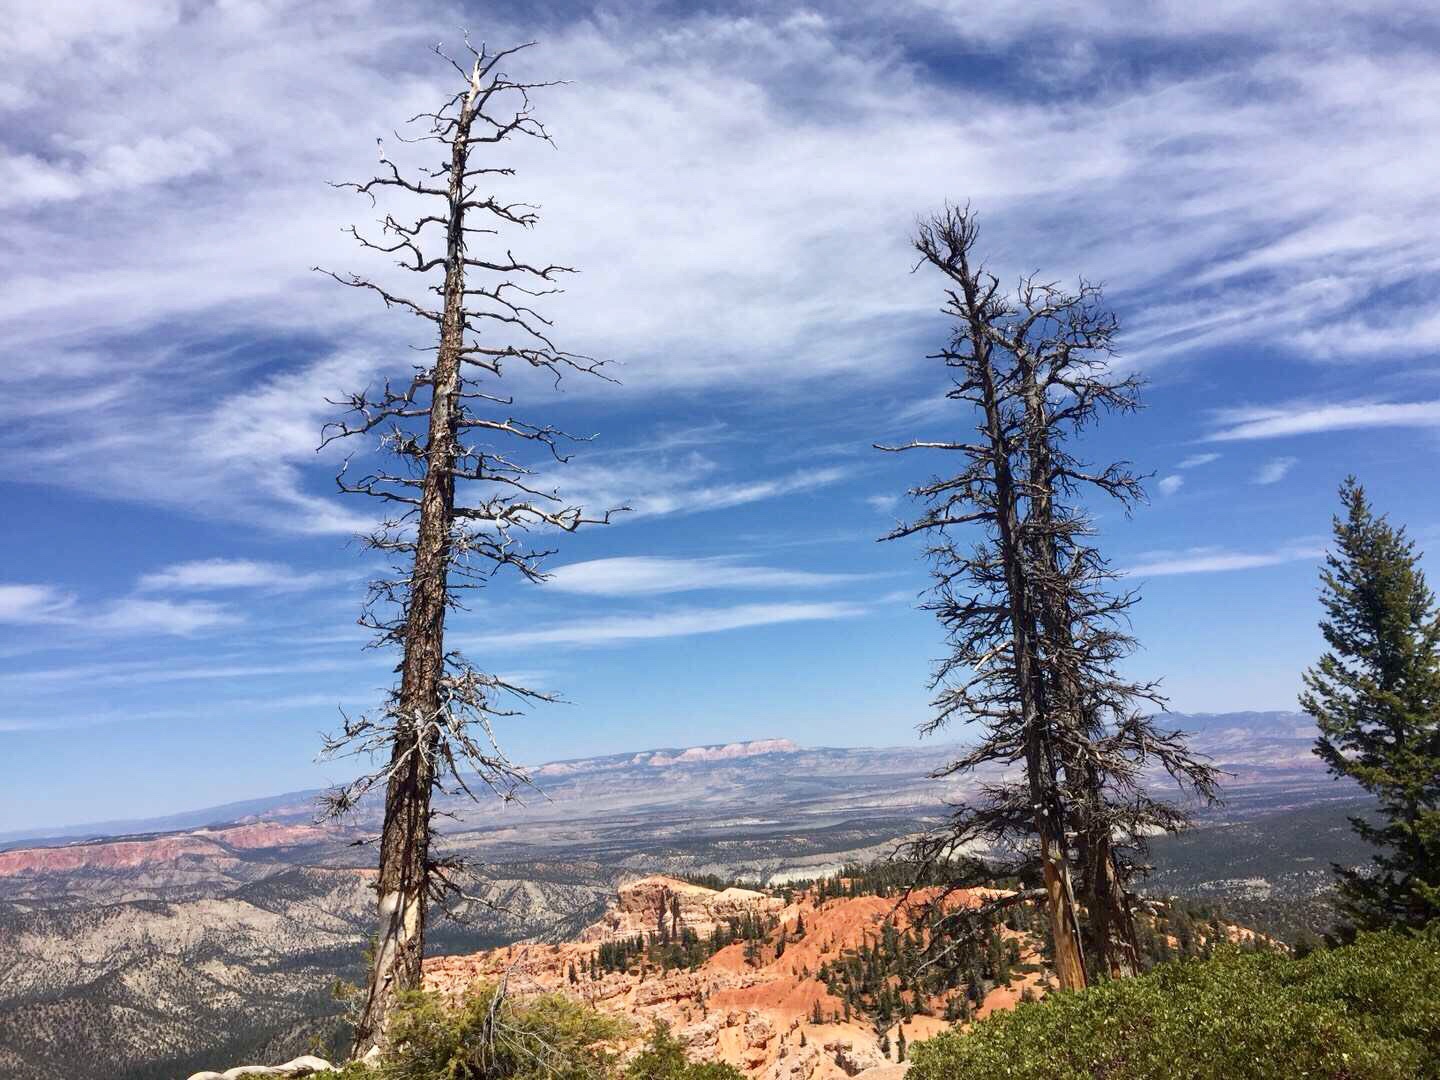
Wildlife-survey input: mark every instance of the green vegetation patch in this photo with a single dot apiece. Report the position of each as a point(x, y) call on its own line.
point(663, 1058)
point(1367, 1011)
point(548, 1037)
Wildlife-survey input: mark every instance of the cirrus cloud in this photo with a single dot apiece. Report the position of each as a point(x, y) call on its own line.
point(687, 622)
point(1210, 560)
point(650, 575)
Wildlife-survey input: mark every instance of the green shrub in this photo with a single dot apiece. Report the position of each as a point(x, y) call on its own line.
point(551, 1037)
point(352, 1071)
point(664, 1059)
point(1367, 1011)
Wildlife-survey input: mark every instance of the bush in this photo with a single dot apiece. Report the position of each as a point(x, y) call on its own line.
point(352, 1071)
point(1367, 1011)
point(664, 1059)
point(551, 1037)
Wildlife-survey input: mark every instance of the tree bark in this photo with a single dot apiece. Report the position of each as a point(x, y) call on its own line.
point(1108, 915)
point(1049, 825)
point(405, 838)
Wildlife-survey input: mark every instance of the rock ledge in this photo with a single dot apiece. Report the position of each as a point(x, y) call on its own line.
point(306, 1065)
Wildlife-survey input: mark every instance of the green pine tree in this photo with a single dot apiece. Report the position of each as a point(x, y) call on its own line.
point(1376, 697)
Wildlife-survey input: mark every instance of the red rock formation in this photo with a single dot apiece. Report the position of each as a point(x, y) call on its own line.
point(642, 904)
point(261, 835)
point(111, 855)
point(215, 846)
point(755, 1016)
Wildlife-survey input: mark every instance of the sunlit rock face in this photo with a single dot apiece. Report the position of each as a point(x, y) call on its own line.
point(757, 1012)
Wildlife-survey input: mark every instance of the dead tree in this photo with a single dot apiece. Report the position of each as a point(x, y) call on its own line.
point(1036, 633)
point(984, 598)
point(459, 502)
point(1061, 343)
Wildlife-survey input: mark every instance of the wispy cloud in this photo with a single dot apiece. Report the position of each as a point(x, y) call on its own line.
point(885, 504)
point(1307, 418)
point(1285, 132)
point(619, 629)
point(1211, 560)
point(234, 454)
point(205, 575)
point(1169, 485)
point(182, 618)
point(45, 604)
point(648, 575)
point(146, 672)
point(107, 168)
point(1194, 461)
point(32, 603)
point(1275, 470)
point(691, 483)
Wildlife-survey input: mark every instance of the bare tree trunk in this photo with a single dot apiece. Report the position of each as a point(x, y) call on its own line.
point(405, 840)
point(435, 732)
point(1035, 633)
point(1110, 925)
point(1112, 919)
point(1039, 765)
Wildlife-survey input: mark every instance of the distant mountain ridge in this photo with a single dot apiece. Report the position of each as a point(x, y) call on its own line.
point(1246, 738)
point(239, 924)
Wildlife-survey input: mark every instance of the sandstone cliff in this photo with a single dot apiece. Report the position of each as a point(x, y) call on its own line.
point(758, 1013)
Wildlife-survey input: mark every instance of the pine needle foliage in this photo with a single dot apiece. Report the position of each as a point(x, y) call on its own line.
point(1375, 695)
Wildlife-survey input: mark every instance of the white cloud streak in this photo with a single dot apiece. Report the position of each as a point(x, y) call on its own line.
point(45, 604)
point(1195, 461)
point(659, 485)
point(1217, 560)
point(650, 575)
point(142, 673)
point(205, 575)
point(1303, 418)
point(139, 616)
point(1275, 470)
point(1169, 485)
point(621, 629)
point(21, 604)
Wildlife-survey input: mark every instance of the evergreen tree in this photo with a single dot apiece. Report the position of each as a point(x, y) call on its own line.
point(752, 952)
point(1375, 695)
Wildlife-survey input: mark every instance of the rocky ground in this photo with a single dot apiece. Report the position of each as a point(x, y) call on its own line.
point(757, 1014)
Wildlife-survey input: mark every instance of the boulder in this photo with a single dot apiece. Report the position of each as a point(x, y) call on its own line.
point(853, 1060)
point(305, 1065)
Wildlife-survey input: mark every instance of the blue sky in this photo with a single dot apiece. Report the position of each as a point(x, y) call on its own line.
point(736, 184)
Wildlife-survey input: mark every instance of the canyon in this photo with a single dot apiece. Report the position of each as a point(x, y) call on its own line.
point(151, 949)
point(770, 1015)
